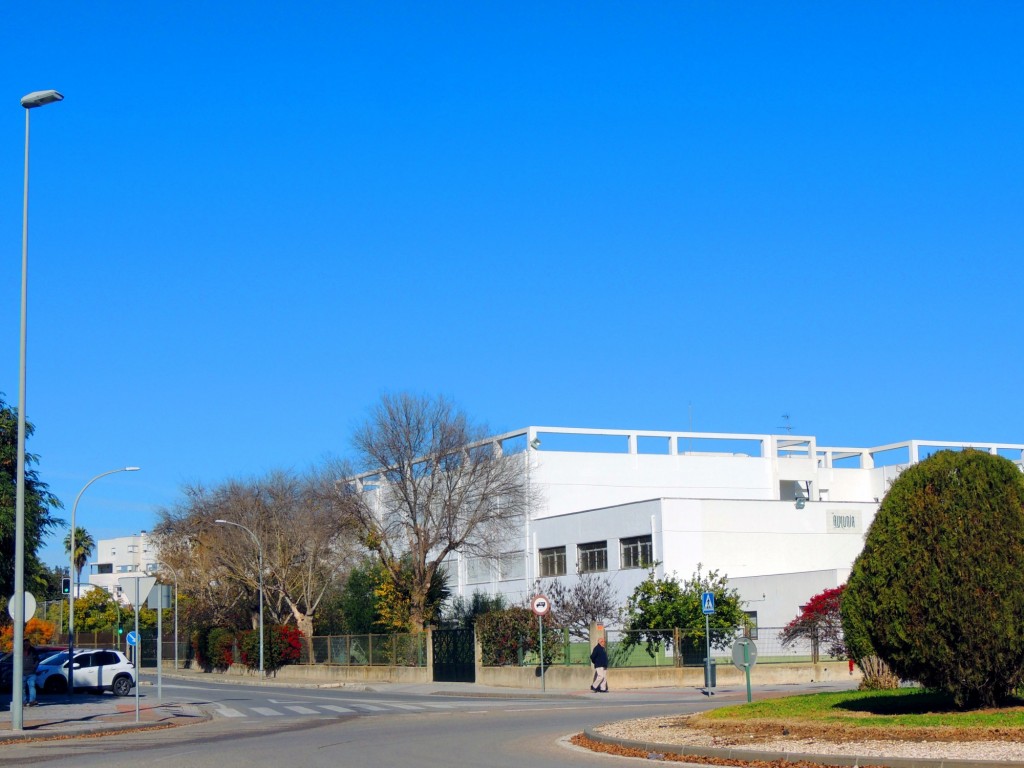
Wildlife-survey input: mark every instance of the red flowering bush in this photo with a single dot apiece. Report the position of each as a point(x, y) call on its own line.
point(821, 623)
point(282, 644)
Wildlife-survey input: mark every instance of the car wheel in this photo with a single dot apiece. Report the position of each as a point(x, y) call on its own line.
point(122, 685)
point(55, 684)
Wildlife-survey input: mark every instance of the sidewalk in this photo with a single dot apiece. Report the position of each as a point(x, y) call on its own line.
point(95, 715)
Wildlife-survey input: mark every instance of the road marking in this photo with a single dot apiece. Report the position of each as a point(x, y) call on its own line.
point(266, 711)
point(412, 707)
point(333, 708)
point(301, 710)
point(367, 707)
point(226, 712)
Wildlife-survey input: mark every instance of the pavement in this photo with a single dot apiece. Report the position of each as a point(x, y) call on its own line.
point(91, 715)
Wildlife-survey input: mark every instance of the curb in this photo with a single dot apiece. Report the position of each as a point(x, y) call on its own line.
point(751, 755)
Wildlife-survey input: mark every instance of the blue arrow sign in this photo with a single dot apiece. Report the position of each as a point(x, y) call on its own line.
point(133, 638)
point(707, 603)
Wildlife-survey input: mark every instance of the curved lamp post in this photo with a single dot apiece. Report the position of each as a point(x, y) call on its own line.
point(29, 102)
point(74, 584)
point(165, 565)
point(259, 550)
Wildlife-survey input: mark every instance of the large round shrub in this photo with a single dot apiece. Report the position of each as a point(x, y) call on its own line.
point(938, 590)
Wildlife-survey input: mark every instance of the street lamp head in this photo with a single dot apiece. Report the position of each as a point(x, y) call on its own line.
point(132, 469)
point(40, 99)
point(223, 521)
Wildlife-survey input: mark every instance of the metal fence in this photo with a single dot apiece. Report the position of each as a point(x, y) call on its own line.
point(682, 649)
point(400, 650)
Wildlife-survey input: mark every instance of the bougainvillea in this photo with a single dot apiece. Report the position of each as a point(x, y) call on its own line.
point(281, 645)
point(821, 623)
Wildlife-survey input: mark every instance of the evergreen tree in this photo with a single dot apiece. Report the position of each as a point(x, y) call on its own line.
point(936, 592)
point(40, 504)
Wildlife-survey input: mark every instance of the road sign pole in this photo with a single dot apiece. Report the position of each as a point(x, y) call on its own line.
point(746, 667)
point(707, 657)
point(138, 647)
point(540, 623)
point(159, 643)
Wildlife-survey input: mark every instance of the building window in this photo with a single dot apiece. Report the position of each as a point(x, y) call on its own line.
point(133, 548)
point(751, 629)
point(637, 552)
point(593, 557)
point(478, 570)
point(98, 568)
point(552, 561)
point(511, 566)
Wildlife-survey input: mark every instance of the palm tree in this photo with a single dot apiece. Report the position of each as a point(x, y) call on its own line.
point(85, 545)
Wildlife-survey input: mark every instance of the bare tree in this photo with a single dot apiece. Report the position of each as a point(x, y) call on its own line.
point(304, 539)
point(588, 601)
point(432, 484)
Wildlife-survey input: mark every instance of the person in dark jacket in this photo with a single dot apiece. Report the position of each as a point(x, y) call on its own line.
point(30, 663)
point(599, 658)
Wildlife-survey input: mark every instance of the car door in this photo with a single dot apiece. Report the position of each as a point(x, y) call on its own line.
point(85, 672)
point(106, 667)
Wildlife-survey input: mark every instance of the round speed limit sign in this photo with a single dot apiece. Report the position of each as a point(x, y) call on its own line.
point(540, 605)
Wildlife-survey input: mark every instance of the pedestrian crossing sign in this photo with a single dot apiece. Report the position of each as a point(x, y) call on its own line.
point(707, 602)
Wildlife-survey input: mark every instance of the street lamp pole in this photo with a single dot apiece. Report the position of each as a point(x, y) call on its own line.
point(165, 565)
point(259, 550)
point(29, 102)
point(71, 595)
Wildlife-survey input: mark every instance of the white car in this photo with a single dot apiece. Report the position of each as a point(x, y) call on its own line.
point(96, 670)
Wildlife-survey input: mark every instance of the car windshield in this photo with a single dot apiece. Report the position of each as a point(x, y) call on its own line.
point(57, 658)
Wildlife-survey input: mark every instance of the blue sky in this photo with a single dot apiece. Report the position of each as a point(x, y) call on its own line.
point(248, 221)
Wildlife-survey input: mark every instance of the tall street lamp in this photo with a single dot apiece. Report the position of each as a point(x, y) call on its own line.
point(165, 565)
point(71, 595)
point(259, 550)
point(29, 102)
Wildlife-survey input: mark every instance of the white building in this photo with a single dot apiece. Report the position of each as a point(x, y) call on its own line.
point(780, 515)
point(125, 555)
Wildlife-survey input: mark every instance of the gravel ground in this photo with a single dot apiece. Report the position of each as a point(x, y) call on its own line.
point(673, 730)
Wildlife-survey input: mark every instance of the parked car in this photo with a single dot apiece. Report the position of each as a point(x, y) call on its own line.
point(7, 663)
point(94, 669)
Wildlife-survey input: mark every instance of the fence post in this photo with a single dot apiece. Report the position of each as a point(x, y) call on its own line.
point(675, 646)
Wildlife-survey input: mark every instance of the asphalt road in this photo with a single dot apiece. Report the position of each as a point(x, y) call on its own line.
point(299, 727)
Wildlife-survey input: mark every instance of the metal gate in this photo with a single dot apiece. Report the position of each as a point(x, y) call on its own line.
point(453, 656)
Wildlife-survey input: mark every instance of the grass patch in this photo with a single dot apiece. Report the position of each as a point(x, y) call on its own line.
point(903, 708)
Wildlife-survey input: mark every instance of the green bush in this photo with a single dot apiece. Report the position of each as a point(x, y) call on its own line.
point(937, 592)
point(505, 634)
point(220, 643)
point(281, 645)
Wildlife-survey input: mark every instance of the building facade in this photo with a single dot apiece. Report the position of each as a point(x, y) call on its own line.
point(122, 556)
point(781, 516)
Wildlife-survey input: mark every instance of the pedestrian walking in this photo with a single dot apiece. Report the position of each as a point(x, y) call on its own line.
point(599, 658)
point(30, 663)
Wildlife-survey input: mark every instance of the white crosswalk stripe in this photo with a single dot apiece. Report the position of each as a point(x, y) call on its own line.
point(349, 708)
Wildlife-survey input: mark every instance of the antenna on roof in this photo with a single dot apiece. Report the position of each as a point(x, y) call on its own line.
point(787, 426)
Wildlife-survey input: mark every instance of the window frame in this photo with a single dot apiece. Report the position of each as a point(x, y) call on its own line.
point(637, 543)
point(589, 557)
point(552, 555)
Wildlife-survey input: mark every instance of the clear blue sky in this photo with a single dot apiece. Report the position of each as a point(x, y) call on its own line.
point(248, 220)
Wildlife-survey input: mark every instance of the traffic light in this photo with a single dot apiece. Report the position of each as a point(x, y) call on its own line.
point(65, 586)
point(120, 630)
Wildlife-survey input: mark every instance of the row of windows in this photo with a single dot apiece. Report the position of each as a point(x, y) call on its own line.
point(634, 552)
